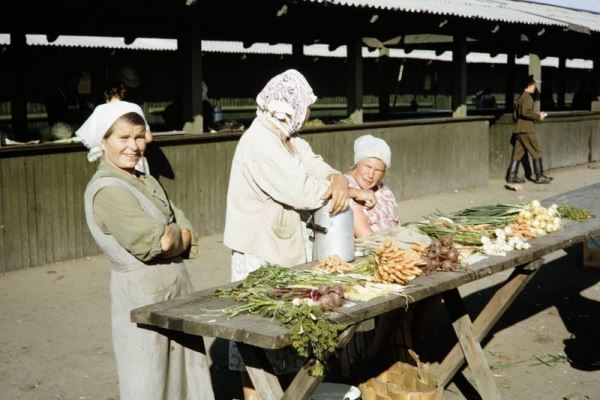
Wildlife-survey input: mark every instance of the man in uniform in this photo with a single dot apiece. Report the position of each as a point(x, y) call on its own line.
point(525, 137)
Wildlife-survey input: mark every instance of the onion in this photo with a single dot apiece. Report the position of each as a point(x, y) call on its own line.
point(323, 289)
point(338, 300)
point(327, 302)
point(447, 265)
point(337, 288)
point(435, 263)
point(453, 255)
point(446, 240)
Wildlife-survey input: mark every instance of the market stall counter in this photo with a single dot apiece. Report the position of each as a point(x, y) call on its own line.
point(254, 333)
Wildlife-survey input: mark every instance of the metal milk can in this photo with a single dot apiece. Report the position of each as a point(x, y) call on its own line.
point(334, 234)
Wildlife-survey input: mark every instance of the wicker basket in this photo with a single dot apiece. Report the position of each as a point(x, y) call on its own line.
point(403, 382)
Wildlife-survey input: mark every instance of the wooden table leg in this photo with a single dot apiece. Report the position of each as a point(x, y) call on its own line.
point(304, 384)
point(470, 346)
point(488, 317)
point(259, 369)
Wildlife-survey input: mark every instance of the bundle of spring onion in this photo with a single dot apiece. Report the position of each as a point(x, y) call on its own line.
point(469, 235)
point(497, 215)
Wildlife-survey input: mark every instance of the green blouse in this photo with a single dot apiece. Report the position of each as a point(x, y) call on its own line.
point(119, 213)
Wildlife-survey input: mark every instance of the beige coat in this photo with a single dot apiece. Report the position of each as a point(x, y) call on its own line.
point(267, 188)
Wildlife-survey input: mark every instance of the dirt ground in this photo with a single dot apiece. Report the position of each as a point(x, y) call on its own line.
point(55, 326)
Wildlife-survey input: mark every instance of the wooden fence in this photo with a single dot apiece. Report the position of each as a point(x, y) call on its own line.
point(41, 198)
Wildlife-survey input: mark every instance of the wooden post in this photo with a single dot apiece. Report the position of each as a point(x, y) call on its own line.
point(595, 89)
point(509, 89)
point(535, 69)
point(383, 68)
point(18, 100)
point(487, 318)
point(190, 50)
point(459, 68)
point(470, 346)
point(560, 87)
point(355, 79)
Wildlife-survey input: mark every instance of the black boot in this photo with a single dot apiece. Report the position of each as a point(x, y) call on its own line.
point(511, 175)
point(539, 172)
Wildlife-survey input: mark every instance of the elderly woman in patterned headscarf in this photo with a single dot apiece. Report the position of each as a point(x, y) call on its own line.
point(275, 175)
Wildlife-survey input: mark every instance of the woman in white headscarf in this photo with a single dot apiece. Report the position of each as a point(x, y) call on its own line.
point(372, 158)
point(274, 176)
point(145, 237)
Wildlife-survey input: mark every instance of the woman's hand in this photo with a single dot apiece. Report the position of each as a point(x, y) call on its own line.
point(172, 241)
point(366, 197)
point(339, 193)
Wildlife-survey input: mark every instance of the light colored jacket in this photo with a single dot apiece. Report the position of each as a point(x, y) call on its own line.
point(267, 188)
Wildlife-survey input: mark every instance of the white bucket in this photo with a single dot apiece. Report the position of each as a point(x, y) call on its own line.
point(336, 391)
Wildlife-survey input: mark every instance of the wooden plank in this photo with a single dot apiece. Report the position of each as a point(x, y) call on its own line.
point(259, 369)
point(69, 203)
point(470, 346)
point(60, 227)
point(32, 231)
point(488, 317)
point(12, 221)
point(20, 177)
point(45, 186)
point(3, 243)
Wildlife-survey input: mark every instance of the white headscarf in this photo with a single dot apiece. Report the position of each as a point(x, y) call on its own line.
point(104, 116)
point(369, 146)
point(284, 101)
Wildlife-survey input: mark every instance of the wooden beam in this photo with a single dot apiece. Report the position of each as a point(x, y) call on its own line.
point(258, 367)
point(509, 89)
point(355, 79)
point(459, 68)
point(488, 317)
point(18, 99)
point(190, 50)
point(470, 346)
point(560, 86)
point(535, 69)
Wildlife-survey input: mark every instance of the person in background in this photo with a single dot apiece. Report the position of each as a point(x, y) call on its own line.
point(525, 137)
point(274, 176)
point(372, 158)
point(145, 237)
point(172, 114)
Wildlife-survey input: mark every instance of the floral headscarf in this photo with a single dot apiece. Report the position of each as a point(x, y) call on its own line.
point(284, 101)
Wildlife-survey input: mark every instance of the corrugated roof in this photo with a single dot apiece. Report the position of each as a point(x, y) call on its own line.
point(494, 10)
point(104, 42)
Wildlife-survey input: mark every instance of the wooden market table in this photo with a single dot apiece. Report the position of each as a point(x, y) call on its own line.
point(253, 334)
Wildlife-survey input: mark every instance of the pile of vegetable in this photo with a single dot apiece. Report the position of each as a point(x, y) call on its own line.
point(539, 219)
point(576, 214)
point(298, 299)
point(441, 255)
point(334, 264)
point(390, 264)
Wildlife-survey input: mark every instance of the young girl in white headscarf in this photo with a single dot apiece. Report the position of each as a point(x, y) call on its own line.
point(145, 237)
point(372, 158)
point(275, 175)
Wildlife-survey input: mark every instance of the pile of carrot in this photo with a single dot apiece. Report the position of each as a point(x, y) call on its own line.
point(395, 265)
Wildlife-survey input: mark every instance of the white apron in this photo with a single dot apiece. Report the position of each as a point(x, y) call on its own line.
point(150, 365)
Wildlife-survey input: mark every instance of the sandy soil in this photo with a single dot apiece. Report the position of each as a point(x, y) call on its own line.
point(55, 335)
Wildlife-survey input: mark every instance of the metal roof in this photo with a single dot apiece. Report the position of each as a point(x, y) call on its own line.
point(314, 50)
point(509, 11)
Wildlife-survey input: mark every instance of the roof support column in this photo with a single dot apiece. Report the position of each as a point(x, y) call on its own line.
point(383, 67)
point(355, 79)
point(509, 89)
point(595, 89)
point(459, 69)
point(535, 69)
point(560, 86)
point(190, 49)
point(18, 105)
